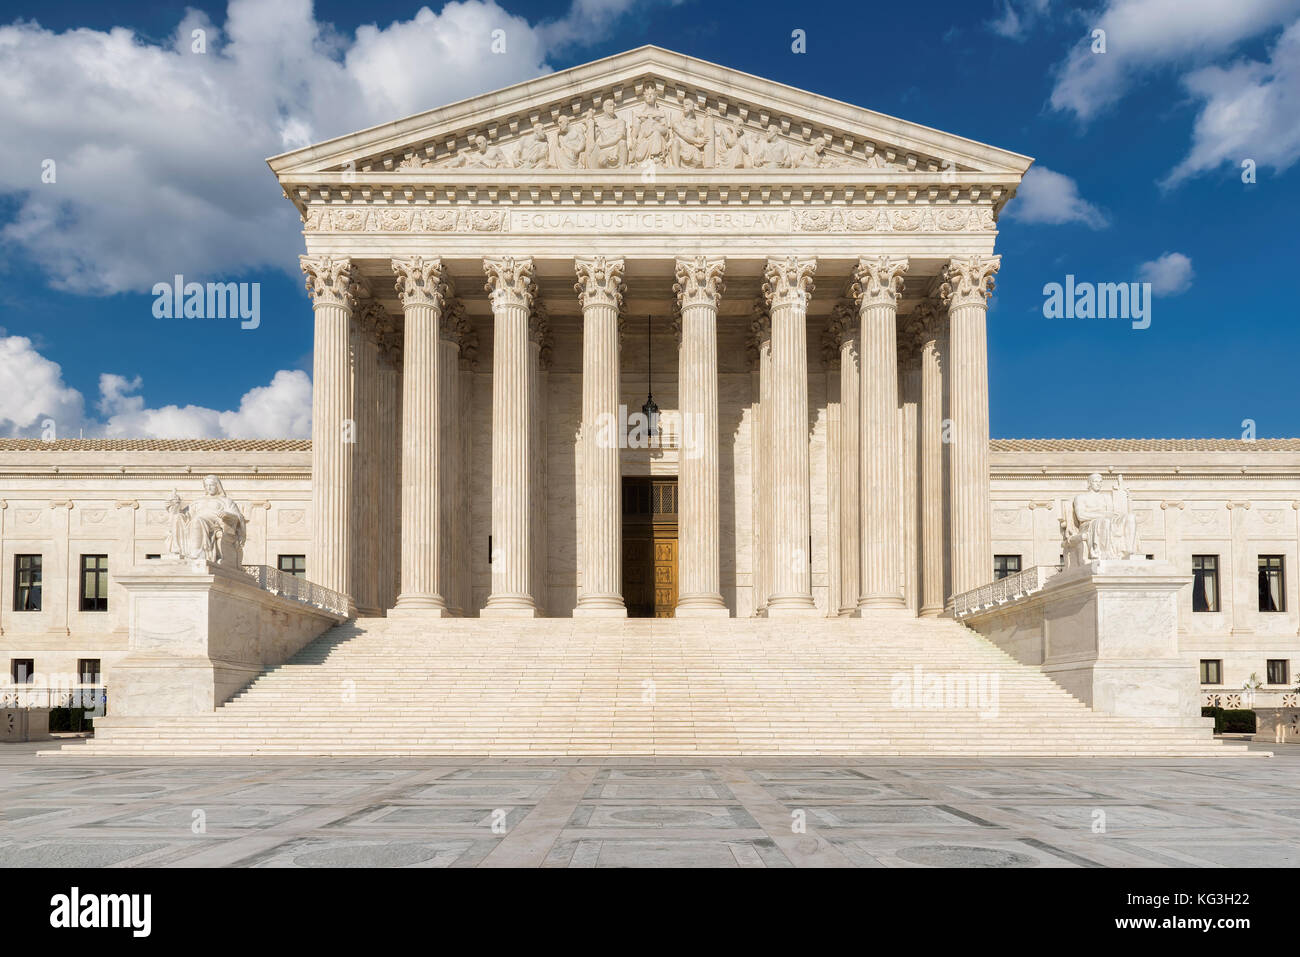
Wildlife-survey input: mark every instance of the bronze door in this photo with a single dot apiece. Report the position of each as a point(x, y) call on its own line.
point(650, 547)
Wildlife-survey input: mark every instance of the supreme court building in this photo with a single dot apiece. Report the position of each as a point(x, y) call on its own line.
point(505, 289)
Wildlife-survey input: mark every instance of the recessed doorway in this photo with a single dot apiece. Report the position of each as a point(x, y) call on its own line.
point(650, 546)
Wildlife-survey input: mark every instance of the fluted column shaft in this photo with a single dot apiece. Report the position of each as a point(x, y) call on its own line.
point(930, 439)
point(877, 282)
point(850, 473)
point(510, 285)
point(451, 564)
point(787, 286)
point(423, 289)
point(389, 398)
point(368, 436)
point(909, 390)
point(699, 286)
point(968, 282)
point(600, 292)
point(333, 286)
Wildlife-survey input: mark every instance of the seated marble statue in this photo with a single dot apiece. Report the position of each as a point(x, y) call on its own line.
point(211, 528)
point(1099, 524)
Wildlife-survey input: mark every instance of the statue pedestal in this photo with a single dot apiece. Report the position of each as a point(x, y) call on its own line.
point(200, 632)
point(1110, 638)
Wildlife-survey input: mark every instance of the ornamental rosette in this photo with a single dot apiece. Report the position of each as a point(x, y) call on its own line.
point(510, 281)
point(699, 281)
point(331, 280)
point(788, 281)
point(878, 280)
point(968, 280)
point(422, 281)
point(600, 281)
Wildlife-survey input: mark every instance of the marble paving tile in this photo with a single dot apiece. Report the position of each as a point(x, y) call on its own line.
point(661, 816)
point(329, 852)
point(643, 852)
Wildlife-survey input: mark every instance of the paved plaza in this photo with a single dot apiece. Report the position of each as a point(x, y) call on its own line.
point(615, 812)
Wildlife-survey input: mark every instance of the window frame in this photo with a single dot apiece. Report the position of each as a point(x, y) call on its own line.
point(1265, 570)
point(1214, 573)
point(1285, 664)
point(1218, 668)
point(1008, 572)
point(295, 572)
point(99, 671)
point(38, 584)
point(31, 671)
point(97, 603)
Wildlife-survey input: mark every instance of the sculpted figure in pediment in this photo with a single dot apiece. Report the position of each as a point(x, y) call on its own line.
point(733, 149)
point(815, 156)
point(535, 153)
point(610, 135)
point(689, 139)
point(570, 145)
point(773, 153)
point(480, 156)
point(650, 130)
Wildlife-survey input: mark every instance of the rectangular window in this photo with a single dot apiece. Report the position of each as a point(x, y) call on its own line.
point(1279, 671)
point(1205, 583)
point(1272, 583)
point(94, 583)
point(152, 557)
point(27, 583)
point(295, 565)
point(1004, 565)
point(1211, 671)
point(22, 670)
point(88, 670)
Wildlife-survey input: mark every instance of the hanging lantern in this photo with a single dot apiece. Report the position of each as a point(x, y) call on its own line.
point(650, 410)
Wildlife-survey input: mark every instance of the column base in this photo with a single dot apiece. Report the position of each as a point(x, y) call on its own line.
point(931, 611)
point(882, 603)
point(420, 606)
point(701, 606)
point(600, 608)
point(885, 611)
point(510, 608)
point(793, 606)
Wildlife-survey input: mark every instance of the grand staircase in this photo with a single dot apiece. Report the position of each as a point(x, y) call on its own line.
point(651, 687)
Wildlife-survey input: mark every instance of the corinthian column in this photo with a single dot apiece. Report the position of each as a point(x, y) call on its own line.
point(967, 285)
point(389, 501)
point(366, 453)
point(451, 551)
point(844, 324)
point(699, 287)
point(510, 285)
point(423, 288)
point(600, 545)
point(930, 439)
point(787, 286)
point(876, 284)
point(332, 283)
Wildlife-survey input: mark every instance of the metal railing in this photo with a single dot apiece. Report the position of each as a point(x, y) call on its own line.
point(299, 589)
point(88, 696)
point(1003, 590)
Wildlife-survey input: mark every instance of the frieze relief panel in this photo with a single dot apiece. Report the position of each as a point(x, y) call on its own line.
point(321, 218)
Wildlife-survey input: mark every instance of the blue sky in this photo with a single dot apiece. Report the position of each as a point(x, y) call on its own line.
point(1138, 150)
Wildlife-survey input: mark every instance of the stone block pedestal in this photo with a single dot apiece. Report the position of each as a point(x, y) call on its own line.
point(198, 633)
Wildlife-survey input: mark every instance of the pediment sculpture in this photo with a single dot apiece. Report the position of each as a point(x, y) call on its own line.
point(643, 134)
point(211, 528)
point(1099, 524)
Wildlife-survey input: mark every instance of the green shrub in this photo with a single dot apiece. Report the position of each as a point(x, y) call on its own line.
point(1231, 720)
point(70, 719)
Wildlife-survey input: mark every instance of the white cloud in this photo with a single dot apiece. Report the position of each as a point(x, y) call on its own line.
point(1017, 17)
point(1169, 275)
point(36, 393)
point(1046, 196)
point(166, 146)
point(1148, 35)
point(1250, 110)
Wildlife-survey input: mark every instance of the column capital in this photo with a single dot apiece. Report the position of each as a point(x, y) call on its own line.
point(699, 281)
point(371, 318)
point(787, 281)
point(510, 281)
point(841, 327)
point(968, 280)
point(422, 281)
point(331, 280)
point(878, 280)
point(600, 281)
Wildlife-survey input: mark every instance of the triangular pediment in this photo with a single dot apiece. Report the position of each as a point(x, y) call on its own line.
point(644, 113)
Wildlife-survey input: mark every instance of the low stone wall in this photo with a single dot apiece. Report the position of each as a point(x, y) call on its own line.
point(199, 633)
point(1277, 725)
point(1107, 632)
point(24, 724)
